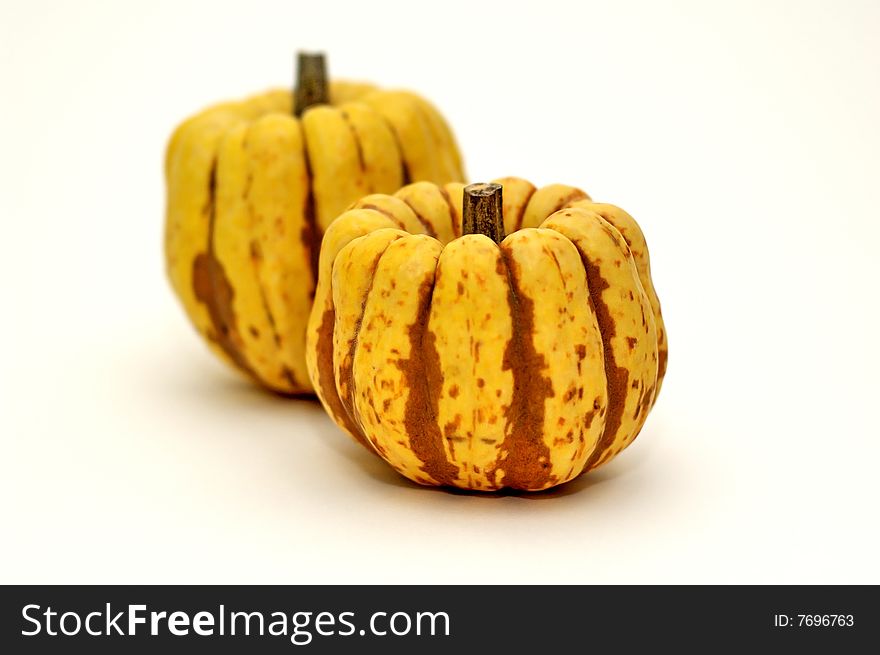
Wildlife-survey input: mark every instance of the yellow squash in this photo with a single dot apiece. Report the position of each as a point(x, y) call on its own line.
point(471, 363)
point(251, 189)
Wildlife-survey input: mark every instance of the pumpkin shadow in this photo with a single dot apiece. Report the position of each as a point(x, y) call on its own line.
point(334, 438)
point(231, 390)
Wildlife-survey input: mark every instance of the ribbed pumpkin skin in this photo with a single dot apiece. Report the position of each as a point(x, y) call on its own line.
point(466, 363)
point(251, 190)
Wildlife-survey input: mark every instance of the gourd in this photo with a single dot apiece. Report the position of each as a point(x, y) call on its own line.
point(253, 185)
point(467, 358)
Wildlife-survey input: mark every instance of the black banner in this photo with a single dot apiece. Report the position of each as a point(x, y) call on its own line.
point(417, 619)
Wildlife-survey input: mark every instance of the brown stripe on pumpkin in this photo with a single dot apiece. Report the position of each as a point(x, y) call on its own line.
point(429, 227)
point(213, 289)
point(526, 458)
point(387, 214)
point(326, 381)
point(357, 141)
point(424, 379)
point(311, 234)
point(288, 375)
point(663, 356)
point(617, 376)
point(646, 399)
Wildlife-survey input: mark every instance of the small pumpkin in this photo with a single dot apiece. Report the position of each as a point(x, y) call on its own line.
point(474, 360)
point(253, 185)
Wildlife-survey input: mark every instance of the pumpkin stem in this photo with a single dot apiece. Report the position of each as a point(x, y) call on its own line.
point(481, 211)
point(311, 82)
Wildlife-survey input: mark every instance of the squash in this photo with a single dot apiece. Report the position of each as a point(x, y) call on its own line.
point(253, 185)
point(469, 359)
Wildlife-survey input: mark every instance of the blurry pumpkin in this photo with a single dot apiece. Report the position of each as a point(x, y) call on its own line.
point(253, 185)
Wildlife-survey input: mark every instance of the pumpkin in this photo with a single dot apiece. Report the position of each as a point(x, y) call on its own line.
point(469, 359)
point(253, 185)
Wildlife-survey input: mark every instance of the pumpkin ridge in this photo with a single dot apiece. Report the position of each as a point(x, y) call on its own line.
point(523, 441)
point(347, 370)
point(522, 211)
point(440, 147)
point(285, 370)
point(536, 197)
point(574, 196)
point(264, 302)
point(454, 220)
point(212, 287)
point(256, 259)
point(404, 164)
point(617, 377)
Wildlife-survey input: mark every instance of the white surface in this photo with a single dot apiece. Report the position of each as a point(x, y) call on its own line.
point(744, 138)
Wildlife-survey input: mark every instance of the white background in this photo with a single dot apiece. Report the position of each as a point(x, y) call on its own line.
point(744, 136)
